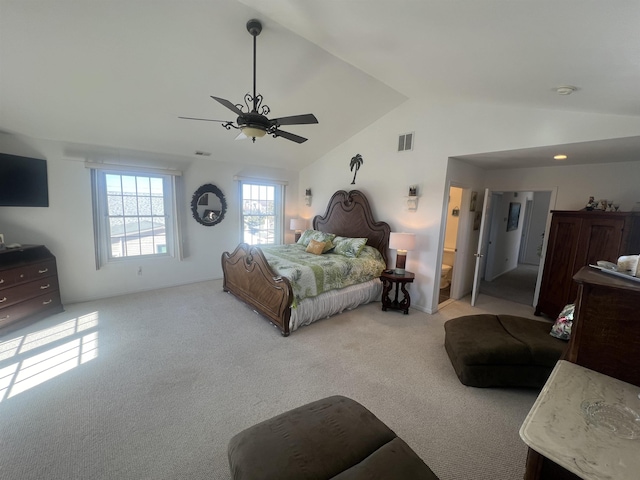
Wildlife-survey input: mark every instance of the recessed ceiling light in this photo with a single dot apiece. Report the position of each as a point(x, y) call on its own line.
point(566, 89)
point(560, 157)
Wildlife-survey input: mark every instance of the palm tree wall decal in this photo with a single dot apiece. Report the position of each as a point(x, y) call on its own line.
point(356, 162)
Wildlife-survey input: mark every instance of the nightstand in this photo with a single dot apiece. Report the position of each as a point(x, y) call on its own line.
point(400, 281)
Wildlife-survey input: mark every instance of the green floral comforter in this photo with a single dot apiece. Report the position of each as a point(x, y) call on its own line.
point(311, 275)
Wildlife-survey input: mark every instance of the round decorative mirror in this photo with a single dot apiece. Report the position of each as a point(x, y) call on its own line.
point(208, 205)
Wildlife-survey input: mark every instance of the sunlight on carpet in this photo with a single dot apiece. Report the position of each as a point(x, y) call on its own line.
point(29, 360)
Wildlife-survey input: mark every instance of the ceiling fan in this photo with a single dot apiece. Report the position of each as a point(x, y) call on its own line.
point(253, 122)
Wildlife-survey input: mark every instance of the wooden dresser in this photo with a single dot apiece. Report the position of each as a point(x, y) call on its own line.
point(605, 338)
point(577, 239)
point(28, 286)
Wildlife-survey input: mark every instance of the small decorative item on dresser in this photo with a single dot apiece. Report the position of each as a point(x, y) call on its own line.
point(591, 204)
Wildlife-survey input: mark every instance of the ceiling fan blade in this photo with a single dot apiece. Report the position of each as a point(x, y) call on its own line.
point(295, 120)
point(289, 136)
point(229, 105)
point(205, 119)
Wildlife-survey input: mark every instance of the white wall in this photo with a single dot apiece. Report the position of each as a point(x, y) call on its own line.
point(443, 131)
point(614, 181)
point(537, 224)
point(66, 226)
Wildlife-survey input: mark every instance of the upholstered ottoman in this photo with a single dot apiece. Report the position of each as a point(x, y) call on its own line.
point(501, 350)
point(332, 438)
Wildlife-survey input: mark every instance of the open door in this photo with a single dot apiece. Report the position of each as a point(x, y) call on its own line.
point(483, 222)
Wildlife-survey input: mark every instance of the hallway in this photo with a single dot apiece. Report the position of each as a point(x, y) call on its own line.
point(518, 285)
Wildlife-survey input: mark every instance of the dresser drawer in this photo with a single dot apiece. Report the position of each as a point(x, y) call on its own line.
point(24, 291)
point(10, 277)
point(38, 270)
point(25, 273)
point(48, 301)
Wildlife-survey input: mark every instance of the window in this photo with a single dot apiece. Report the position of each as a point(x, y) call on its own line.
point(262, 208)
point(134, 215)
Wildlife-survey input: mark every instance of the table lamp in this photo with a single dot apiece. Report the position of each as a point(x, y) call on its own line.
point(401, 242)
point(298, 224)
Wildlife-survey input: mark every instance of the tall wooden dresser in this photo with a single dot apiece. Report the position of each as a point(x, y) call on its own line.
point(28, 286)
point(577, 239)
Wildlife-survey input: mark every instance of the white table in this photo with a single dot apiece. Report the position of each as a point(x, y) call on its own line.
point(557, 428)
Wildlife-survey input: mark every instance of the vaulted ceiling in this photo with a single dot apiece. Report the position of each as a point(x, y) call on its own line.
point(117, 74)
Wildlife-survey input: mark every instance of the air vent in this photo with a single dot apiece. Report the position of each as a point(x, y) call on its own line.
point(405, 142)
point(202, 154)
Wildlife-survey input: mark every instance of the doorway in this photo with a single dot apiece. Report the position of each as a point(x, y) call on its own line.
point(450, 247)
point(513, 264)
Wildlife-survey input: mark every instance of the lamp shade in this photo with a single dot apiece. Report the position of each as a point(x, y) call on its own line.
point(402, 241)
point(298, 224)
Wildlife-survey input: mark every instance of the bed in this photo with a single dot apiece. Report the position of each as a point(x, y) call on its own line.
point(249, 276)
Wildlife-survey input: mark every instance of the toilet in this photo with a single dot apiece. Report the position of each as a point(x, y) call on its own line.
point(445, 276)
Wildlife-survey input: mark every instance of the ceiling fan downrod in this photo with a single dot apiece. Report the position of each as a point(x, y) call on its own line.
point(254, 27)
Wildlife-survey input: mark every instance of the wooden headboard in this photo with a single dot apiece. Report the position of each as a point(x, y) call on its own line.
point(349, 215)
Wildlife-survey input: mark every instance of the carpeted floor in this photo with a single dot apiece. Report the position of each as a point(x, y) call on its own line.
point(517, 285)
point(153, 385)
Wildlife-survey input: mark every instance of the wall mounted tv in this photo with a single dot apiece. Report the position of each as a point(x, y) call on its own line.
point(23, 182)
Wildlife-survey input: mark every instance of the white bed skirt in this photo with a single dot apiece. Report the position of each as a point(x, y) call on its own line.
point(333, 302)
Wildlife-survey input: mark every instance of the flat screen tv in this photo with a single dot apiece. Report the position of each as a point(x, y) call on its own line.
point(23, 181)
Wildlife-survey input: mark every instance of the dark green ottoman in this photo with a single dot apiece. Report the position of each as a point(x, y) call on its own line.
point(501, 350)
point(332, 438)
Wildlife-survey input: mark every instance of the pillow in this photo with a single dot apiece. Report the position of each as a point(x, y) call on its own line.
point(349, 247)
point(318, 236)
point(305, 237)
point(562, 327)
point(315, 247)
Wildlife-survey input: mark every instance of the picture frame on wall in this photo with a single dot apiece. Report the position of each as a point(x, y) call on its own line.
point(514, 216)
point(477, 218)
point(474, 200)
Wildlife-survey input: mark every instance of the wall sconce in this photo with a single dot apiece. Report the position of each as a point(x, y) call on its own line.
point(307, 197)
point(298, 225)
point(401, 242)
point(412, 199)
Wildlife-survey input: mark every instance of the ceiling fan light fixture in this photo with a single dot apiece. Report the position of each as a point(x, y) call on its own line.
point(253, 132)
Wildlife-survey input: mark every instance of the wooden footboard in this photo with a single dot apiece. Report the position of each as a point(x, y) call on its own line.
point(250, 278)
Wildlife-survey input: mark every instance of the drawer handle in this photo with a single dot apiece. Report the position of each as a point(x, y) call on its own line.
point(1, 280)
point(47, 302)
point(3, 300)
point(5, 317)
point(22, 275)
point(44, 287)
point(43, 271)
